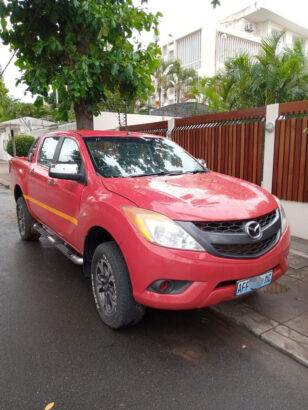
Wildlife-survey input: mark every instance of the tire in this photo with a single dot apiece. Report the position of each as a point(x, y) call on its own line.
point(112, 288)
point(25, 221)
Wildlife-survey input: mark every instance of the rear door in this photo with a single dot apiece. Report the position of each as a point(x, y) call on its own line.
point(64, 196)
point(38, 179)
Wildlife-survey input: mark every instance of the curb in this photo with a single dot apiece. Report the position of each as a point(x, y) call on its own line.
point(278, 335)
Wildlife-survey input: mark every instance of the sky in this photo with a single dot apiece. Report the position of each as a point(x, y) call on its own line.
point(176, 15)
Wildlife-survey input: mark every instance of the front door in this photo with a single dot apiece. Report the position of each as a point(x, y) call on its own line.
point(64, 196)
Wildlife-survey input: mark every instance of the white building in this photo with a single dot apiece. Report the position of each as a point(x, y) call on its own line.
point(29, 126)
point(209, 45)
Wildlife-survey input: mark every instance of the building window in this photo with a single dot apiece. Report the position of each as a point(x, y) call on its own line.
point(232, 47)
point(189, 50)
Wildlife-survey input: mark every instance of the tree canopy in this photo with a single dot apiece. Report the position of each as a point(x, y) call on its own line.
point(84, 49)
point(11, 108)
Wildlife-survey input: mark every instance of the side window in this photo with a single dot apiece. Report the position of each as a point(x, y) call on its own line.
point(32, 149)
point(47, 151)
point(70, 153)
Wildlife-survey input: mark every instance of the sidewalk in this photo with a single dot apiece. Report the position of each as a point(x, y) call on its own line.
point(4, 174)
point(277, 313)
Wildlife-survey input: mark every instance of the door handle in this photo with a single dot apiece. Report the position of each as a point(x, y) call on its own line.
point(32, 171)
point(51, 182)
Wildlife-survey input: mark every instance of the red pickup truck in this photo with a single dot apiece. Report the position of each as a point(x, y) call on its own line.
point(150, 224)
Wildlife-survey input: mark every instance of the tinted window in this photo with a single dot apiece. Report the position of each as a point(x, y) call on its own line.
point(70, 153)
point(139, 156)
point(47, 151)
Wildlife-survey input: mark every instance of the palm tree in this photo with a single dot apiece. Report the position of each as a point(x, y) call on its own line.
point(161, 79)
point(208, 91)
point(180, 79)
point(273, 76)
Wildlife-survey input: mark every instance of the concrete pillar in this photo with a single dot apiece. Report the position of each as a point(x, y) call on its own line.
point(272, 113)
point(171, 125)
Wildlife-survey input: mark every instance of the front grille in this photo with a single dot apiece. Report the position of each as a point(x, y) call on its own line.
point(234, 226)
point(247, 249)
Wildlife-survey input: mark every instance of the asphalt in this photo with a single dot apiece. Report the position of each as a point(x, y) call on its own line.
point(54, 348)
point(278, 314)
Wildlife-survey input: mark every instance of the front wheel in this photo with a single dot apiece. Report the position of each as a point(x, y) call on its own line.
point(112, 288)
point(25, 221)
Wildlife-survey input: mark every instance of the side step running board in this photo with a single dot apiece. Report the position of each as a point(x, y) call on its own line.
point(59, 244)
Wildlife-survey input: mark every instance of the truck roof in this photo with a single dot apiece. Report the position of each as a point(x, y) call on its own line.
point(91, 133)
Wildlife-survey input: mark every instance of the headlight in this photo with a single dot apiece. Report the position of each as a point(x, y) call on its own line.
point(283, 217)
point(160, 230)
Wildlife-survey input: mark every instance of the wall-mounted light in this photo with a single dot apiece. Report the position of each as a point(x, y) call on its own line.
point(270, 127)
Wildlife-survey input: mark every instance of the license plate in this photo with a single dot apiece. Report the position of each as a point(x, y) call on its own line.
point(256, 282)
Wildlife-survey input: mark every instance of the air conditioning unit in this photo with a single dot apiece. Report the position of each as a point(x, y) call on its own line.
point(249, 27)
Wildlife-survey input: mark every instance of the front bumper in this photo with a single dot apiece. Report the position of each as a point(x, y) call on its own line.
point(148, 263)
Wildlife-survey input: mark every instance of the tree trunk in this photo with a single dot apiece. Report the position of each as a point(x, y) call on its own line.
point(84, 119)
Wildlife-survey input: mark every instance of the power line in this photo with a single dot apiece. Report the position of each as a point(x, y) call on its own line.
point(13, 55)
point(8, 63)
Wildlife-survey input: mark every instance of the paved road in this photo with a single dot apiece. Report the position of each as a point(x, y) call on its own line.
point(53, 347)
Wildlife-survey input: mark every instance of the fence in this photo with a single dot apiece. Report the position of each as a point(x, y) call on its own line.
point(290, 170)
point(234, 143)
point(230, 142)
point(156, 128)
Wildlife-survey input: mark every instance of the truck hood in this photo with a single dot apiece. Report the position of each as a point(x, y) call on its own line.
point(195, 197)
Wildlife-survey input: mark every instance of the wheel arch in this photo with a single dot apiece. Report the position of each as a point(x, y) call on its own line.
point(17, 192)
point(95, 236)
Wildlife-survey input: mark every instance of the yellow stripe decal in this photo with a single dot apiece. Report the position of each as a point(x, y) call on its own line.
point(52, 210)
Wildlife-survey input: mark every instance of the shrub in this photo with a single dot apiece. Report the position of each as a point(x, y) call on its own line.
point(23, 144)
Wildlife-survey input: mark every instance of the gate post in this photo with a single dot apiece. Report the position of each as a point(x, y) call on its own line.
point(272, 113)
point(171, 123)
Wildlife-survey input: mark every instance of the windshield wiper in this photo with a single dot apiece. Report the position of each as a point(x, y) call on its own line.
point(157, 174)
point(200, 171)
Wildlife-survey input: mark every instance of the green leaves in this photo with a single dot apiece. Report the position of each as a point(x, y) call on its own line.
point(275, 75)
point(103, 32)
point(81, 48)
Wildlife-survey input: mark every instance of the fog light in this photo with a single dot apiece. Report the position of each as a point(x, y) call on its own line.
point(169, 286)
point(163, 287)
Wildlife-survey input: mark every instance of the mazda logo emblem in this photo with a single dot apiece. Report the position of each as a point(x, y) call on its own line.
point(253, 230)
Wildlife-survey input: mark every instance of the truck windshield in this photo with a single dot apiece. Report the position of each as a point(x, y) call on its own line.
point(123, 157)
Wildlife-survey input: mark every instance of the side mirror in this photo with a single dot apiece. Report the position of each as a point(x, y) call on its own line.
point(202, 162)
point(30, 156)
point(65, 171)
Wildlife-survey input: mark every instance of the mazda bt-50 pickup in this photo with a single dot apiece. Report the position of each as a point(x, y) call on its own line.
point(151, 225)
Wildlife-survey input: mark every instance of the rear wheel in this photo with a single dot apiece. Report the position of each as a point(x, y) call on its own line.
point(25, 221)
point(112, 288)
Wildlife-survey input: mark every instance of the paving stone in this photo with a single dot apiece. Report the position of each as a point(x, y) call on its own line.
point(299, 244)
point(287, 345)
point(299, 275)
point(296, 261)
point(300, 323)
point(305, 272)
point(282, 301)
point(245, 316)
point(292, 334)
